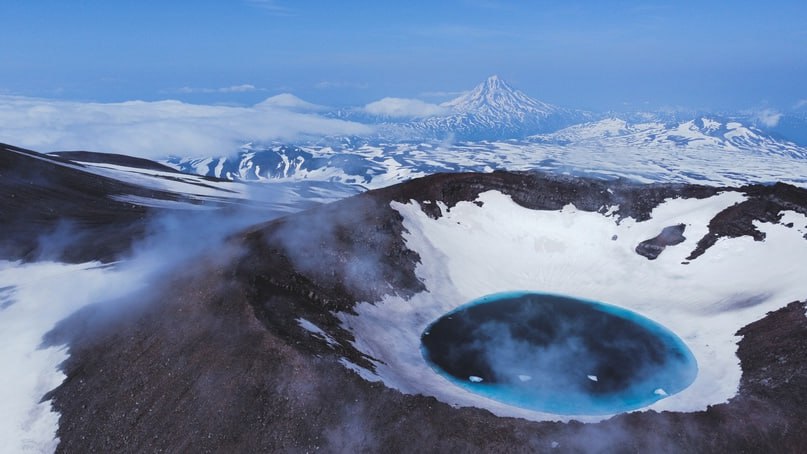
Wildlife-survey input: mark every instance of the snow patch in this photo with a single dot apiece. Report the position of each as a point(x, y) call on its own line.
point(314, 329)
point(44, 293)
point(160, 203)
point(362, 372)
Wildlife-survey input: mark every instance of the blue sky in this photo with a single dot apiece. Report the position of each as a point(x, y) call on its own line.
point(615, 55)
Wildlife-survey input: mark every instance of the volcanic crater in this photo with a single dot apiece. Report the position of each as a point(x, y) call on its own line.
point(223, 356)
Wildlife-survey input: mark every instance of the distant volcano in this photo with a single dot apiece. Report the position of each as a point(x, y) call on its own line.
point(490, 111)
point(496, 99)
point(496, 110)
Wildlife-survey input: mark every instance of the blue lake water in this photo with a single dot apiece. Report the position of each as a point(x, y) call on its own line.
point(558, 354)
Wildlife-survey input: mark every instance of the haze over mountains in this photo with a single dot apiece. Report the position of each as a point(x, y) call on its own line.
point(491, 110)
point(495, 110)
point(495, 126)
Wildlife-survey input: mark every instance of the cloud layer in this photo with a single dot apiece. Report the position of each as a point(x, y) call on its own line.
point(243, 88)
point(768, 118)
point(157, 129)
point(272, 7)
point(404, 108)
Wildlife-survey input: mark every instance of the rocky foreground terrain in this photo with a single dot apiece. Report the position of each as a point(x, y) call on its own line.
point(212, 357)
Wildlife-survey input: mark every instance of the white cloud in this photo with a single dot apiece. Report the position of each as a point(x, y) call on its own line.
point(442, 94)
point(768, 117)
point(330, 84)
point(486, 4)
point(272, 7)
point(801, 103)
point(402, 108)
point(243, 88)
point(238, 88)
point(458, 31)
point(156, 129)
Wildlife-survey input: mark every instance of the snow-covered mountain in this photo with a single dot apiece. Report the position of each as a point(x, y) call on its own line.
point(696, 151)
point(283, 162)
point(290, 102)
point(700, 133)
point(496, 127)
point(490, 111)
point(495, 110)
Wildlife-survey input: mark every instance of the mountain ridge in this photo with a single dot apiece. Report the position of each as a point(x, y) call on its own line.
point(701, 132)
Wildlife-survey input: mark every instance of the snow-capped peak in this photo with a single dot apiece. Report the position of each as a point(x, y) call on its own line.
point(290, 102)
point(492, 110)
point(496, 96)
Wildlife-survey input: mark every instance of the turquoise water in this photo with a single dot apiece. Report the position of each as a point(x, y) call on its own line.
point(558, 354)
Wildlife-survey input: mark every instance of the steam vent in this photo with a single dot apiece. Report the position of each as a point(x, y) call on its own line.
point(558, 354)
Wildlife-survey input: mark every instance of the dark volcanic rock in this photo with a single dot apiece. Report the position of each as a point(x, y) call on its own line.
point(542, 191)
point(669, 236)
point(110, 158)
point(51, 201)
point(765, 204)
point(53, 208)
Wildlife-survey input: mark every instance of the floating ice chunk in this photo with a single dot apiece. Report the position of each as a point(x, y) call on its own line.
point(592, 377)
point(475, 379)
point(660, 392)
point(525, 377)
